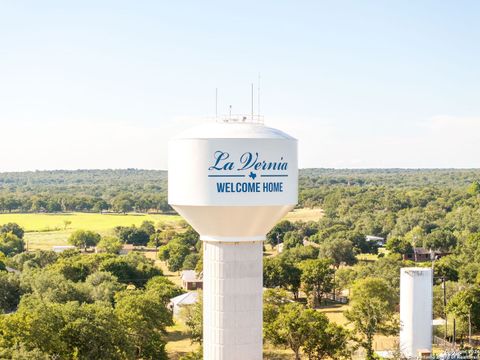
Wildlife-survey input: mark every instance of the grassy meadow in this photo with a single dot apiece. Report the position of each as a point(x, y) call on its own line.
point(46, 230)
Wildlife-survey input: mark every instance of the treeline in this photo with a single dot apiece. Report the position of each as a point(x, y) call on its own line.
point(146, 190)
point(405, 178)
point(84, 191)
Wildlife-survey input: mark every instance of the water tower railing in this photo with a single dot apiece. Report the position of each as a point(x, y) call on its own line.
point(240, 119)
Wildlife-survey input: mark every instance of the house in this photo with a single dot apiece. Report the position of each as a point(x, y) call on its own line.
point(421, 254)
point(190, 280)
point(380, 241)
point(62, 248)
point(177, 302)
point(12, 270)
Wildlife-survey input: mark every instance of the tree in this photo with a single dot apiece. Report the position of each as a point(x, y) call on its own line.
point(3, 258)
point(178, 253)
point(190, 261)
point(192, 316)
point(174, 253)
point(474, 188)
point(298, 254)
point(442, 240)
point(290, 324)
point(387, 268)
point(163, 288)
point(189, 237)
point(399, 245)
point(51, 286)
point(446, 269)
point(317, 279)
point(465, 304)
point(340, 252)
point(84, 238)
point(275, 236)
point(145, 319)
point(360, 243)
point(35, 259)
point(138, 237)
point(372, 311)
point(292, 239)
point(110, 244)
point(280, 272)
point(132, 235)
point(148, 227)
point(103, 286)
point(66, 331)
point(21, 352)
point(290, 328)
point(13, 228)
point(11, 244)
point(133, 268)
point(326, 341)
point(155, 239)
point(66, 224)
point(10, 292)
point(122, 204)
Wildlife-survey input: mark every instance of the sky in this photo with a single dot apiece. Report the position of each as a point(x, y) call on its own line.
point(361, 84)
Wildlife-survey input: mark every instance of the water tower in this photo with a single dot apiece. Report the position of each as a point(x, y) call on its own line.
point(232, 180)
point(415, 311)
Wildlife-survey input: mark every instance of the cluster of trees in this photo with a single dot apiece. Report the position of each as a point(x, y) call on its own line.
point(73, 306)
point(303, 330)
point(145, 190)
point(11, 239)
point(183, 250)
point(84, 190)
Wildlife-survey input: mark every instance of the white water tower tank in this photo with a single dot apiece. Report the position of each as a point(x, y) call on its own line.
point(232, 181)
point(415, 311)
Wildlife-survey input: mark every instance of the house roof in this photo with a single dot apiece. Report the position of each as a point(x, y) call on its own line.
point(12, 270)
point(421, 251)
point(190, 275)
point(371, 237)
point(185, 299)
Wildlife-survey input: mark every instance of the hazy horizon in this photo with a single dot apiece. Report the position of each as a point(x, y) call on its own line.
point(105, 84)
point(307, 168)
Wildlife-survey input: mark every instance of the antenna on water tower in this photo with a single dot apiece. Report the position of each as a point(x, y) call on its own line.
point(258, 96)
point(252, 101)
point(216, 103)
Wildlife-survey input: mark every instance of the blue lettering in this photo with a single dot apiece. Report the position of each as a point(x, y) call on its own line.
point(240, 187)
point(248, 161)
point(273, 187)
point(220, 163)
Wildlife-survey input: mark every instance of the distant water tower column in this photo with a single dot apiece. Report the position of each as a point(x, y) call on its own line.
point(415, 311)
point(232, 181)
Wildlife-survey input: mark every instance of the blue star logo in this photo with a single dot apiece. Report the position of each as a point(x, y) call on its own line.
point(252, 175)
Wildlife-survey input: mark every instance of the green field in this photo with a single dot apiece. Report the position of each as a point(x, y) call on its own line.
point(46, 230)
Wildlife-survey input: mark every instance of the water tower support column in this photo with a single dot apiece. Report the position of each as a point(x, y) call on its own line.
point(232, 299)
